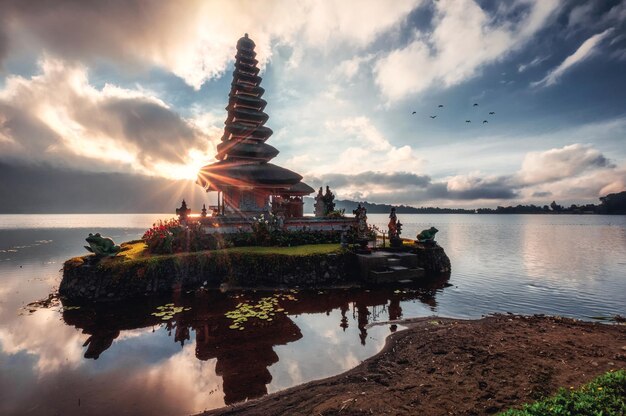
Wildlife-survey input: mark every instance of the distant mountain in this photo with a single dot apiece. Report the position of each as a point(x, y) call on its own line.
point(373, 208)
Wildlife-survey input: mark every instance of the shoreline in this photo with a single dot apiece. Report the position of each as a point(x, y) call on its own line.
point(440, 366)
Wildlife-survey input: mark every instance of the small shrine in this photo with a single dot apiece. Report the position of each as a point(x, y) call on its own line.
point(247, 185)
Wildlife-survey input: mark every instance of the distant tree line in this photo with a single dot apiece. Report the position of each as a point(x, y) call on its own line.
point(609, 204)
point(372, 208)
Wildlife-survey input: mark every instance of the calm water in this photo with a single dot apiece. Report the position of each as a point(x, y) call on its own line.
point(124, 360)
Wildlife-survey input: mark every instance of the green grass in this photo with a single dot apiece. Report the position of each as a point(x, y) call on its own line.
point(136, 250)
point(306, 250)
point(133, 249)
point(604, 396)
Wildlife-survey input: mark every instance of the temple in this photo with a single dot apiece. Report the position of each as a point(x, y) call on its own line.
point(247, 185)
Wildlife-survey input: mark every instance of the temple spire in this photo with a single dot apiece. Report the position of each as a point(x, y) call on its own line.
point(243, 154)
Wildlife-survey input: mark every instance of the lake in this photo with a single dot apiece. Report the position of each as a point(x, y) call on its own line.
point(122, 359)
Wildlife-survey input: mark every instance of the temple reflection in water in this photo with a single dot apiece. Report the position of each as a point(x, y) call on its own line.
point(243, 357)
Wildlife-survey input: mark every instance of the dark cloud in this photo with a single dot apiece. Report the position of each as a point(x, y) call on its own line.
point(541, 194)
point(27, 131)
point(159, 132)
point(494, 190)
point(86, 29)
point(392, 180)
point(4, 43)
point(411, 188)
point(47, 189)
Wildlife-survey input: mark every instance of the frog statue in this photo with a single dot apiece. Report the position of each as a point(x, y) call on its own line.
point(427, 236)
point(101, 246)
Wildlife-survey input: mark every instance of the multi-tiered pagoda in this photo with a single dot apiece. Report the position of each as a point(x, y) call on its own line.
point(247, 185)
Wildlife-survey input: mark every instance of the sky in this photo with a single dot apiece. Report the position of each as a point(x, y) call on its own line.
point(116, 105)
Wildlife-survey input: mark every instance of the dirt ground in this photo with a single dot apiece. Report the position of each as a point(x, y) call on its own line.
point(457, 367)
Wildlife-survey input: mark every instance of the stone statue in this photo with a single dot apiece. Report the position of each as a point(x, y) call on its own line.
point(361, 217)
point(101, 246)
point(395, 229)
point(320, 206)
point(329, 199)
point(427, 236)
point(392, 222)
point(183, 211)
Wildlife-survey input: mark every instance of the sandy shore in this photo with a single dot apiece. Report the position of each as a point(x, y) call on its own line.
point(458, 367)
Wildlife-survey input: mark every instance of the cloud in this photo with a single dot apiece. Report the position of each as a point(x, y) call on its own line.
point(349, 68)
point(473, 186)
point(464, 39)
point(580, 14)
point(582, 53)
point(196, 41)
point(57, 116)
point(556, 164)
point(408, 187)
point(369, 178)
point(585, 188)
point(533, 63)
point(343, 145)
point(616, 14)
point(572, 173)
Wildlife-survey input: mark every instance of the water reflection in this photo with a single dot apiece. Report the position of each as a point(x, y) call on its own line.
point(569, 265)
point(243, 357)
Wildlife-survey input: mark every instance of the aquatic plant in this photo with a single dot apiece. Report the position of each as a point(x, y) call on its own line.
point(167, 311)
point(263, 310)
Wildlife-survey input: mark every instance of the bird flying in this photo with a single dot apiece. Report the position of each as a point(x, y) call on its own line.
point(492, 112)
point(485, 121)
point(440, 105)
point(468, 121)
point(475, 104)
point(433, 116)
point(413, 112)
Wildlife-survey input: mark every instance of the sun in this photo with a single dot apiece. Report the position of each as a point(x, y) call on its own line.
point(195, 160)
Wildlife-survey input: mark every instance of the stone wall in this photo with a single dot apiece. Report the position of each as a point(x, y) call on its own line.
point(433, 259)
point(83, 281)
point(114, 278)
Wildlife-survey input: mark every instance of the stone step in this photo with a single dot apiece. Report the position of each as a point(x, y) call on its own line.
point(395, 274)
point(398, 268)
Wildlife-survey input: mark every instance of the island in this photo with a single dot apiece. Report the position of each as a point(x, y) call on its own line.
point(257, 235)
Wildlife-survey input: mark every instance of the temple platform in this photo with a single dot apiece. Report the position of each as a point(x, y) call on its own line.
point(229, 225)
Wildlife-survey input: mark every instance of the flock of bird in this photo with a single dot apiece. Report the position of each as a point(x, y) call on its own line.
point(491, 113)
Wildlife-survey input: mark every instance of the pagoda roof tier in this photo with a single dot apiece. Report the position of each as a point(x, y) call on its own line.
point(237, 149)
point(248, 101)
point(242, 77)
point(247, 116)
point(241, 88)
point(299, 189)
point(240, 174)
point(245, 131)
point(247, 67)
point(246, 60)
point(247, 53)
